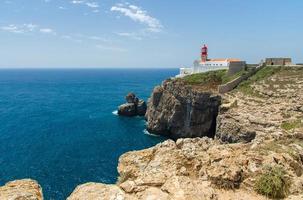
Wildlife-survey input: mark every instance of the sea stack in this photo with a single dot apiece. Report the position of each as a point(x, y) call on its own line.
point(133, 106)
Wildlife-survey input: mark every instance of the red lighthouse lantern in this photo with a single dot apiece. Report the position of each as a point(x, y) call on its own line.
point(204, 53)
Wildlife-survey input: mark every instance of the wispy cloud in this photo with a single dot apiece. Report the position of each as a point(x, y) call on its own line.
point(48, 31)
point(24, 28)
point(133, 35)
point(91, 4)
point(137, 14)
point(111, 48)
point(27, 28)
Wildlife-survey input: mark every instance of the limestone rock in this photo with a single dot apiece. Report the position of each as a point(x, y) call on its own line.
point(179, 111)
point(131, 98)
point(97, 191)
point(133, 106)
point(141, 108)
point(25, 189)
point(127, 109)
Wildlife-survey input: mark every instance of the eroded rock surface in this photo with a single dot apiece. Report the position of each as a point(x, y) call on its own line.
point(270, 105)
point(133, 106)
point(178, 111)
point(199, 168)
point(25, 189)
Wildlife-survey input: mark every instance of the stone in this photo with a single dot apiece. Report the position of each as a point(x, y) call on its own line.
point(130, 98)
point(133, 106)
point(141, 107)
point(97, 191)
point(128, 109)
point(177, 110)
point(25, 189)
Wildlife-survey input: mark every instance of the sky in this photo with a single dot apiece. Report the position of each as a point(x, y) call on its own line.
point(146, 33)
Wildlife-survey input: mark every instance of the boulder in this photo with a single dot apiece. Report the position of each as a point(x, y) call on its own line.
point(131, 98)
point(26, 189)
point(127, 109)
point(133, 106)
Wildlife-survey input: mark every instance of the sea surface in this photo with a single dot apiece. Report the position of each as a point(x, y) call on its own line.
point(60, 127)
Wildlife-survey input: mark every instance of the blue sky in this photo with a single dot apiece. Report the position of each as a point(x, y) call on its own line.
point(146, 33)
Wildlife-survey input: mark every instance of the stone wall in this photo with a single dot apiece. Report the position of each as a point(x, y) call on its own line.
point(234, 83)
point(278, 61)
point(235, 67)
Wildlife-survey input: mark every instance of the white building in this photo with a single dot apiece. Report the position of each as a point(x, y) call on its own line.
point(205, 64)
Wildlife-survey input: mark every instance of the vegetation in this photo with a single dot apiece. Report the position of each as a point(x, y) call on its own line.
point(206, 78)
point(217, 77)
point(245, 87)
point(273, 183)
point(226, 78)
point(291, 125)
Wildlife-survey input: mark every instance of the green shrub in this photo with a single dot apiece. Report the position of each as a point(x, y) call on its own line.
point(291, 125)
point(273, 183)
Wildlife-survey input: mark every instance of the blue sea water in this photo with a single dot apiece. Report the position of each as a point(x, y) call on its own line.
point(58, 126)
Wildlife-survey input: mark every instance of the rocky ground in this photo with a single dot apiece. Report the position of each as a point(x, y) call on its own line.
point(269, 108)
point(257, 151)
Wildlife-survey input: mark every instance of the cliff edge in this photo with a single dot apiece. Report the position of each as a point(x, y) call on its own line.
point(177, 110)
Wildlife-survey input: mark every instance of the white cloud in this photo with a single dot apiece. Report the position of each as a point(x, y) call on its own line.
point(47, 30)
point(111, 48)
point(24, 28)
point(138, 15)
point(134, 36)
point(90, 4)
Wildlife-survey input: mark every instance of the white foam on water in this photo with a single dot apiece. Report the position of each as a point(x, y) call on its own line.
point(115, 112)
point(150, 134)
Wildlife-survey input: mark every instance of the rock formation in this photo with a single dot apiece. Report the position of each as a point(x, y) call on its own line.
point(259, 127)
point(178, 111)
point(262, 110)
point(25, 189)
point(133, 106)
point(193, 169)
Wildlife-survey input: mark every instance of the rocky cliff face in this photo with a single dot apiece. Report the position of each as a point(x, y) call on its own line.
point(21, 190)
point(178, 111)
point(193, 169)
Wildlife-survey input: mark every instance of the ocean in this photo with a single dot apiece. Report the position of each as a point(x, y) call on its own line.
point(59, 126)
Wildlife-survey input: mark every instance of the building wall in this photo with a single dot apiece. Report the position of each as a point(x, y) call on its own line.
point(210, 65)
point(235, 67)
point(278, 61)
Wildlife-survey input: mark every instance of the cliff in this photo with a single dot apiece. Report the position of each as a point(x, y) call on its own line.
point(177, 110)
point(255, 153)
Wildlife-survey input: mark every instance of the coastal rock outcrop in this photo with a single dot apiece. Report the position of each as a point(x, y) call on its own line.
point(25, 189)
point(133, 106)
point(193, 169)
point(178, 110)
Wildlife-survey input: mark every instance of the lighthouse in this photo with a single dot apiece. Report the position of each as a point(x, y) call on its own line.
point(209, 64)
point(204, 53)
